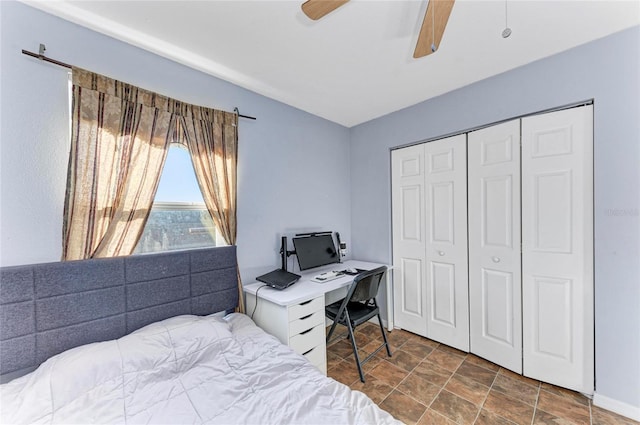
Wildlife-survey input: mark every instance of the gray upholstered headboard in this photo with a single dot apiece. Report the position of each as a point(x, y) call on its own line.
point(46, 309)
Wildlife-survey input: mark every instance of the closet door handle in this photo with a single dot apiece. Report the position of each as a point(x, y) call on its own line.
point(496, 259)
point(441, 253)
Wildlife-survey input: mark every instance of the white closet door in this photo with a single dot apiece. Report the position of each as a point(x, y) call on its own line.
point(410, 296)
point(446, 241)
point(494, 244)
point(557, 258)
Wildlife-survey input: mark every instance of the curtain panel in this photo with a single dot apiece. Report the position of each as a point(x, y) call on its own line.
point(119, 141)
point(211, 137)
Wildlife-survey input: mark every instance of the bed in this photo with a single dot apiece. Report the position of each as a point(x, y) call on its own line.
point(151, 339)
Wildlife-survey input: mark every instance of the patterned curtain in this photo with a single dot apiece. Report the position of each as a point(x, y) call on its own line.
point(119, 141)
point(212, 139)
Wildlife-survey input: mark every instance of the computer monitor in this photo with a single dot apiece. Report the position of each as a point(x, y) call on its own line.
point(315, 251)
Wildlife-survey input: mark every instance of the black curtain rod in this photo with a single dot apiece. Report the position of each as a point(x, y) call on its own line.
point(40, 55)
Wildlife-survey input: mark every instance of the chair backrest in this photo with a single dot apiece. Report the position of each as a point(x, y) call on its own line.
point(365, 285)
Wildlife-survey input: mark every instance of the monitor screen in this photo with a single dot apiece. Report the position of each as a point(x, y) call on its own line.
point(315, 251)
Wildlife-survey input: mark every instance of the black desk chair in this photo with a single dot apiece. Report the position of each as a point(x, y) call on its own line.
point(357, 308)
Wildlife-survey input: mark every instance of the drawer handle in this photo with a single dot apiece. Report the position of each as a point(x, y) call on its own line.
point(306, 302)
point(307, 352)
point(306, 332)
point(306, 317)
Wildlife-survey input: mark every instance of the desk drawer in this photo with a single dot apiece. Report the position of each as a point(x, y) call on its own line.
point(316, 357)
point(306, 322)
point(304, 342)
point(306, 308)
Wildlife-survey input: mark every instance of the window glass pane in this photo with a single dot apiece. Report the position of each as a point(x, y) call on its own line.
point(175, 226)
point(178, 181)
point(179, 218)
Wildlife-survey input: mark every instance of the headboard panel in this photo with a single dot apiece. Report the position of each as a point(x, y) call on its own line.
point(46, 309)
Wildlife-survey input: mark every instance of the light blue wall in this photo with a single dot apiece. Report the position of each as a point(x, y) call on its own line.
point(293, 166)
point(291, 160)
point(608, 71)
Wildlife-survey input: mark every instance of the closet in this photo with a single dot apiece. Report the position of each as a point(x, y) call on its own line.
point(430, 240)
point(493, 244)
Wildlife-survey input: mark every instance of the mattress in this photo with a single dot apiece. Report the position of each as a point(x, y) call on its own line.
point(187, 369)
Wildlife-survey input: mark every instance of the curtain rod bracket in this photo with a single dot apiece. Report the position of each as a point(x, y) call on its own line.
point(41, 51)
point(237, 111)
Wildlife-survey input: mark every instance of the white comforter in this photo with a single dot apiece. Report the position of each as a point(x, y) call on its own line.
point(186, 369)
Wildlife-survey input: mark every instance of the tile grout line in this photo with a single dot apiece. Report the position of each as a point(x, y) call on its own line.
point(409, 373)
point(443, 385)
point(466, 357)
point(403, 379)
point(434, 399)
point(486, 396)
point(539, 388)
point(535, 405)
point(569, 401)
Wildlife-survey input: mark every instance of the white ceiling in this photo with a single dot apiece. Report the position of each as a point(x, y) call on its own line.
point(355, 64)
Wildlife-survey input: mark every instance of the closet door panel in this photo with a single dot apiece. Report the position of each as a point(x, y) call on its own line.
point(557, 257)
point(494, 244)
point(497, 309)
point(408, 202)
point(446, 242)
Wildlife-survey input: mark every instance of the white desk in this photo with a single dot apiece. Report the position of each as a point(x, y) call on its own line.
point(296, 315)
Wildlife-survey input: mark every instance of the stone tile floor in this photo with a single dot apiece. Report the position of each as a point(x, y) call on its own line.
point(425, 382)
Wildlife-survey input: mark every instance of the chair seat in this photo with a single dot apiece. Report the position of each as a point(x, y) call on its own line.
point(358, 312)
point(356, 308)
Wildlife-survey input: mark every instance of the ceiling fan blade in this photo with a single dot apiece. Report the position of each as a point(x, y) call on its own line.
point(316, 9)
point(433, 26)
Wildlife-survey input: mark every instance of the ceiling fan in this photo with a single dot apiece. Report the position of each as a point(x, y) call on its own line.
point(433, 24)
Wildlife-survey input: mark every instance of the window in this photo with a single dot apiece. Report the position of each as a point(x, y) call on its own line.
point(179, 218)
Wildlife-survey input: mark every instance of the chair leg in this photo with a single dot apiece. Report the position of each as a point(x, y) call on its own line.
point(333, 328)
point(384, 336)
point(355, 348)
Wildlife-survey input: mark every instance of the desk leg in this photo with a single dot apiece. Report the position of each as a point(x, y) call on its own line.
point(389, 302)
